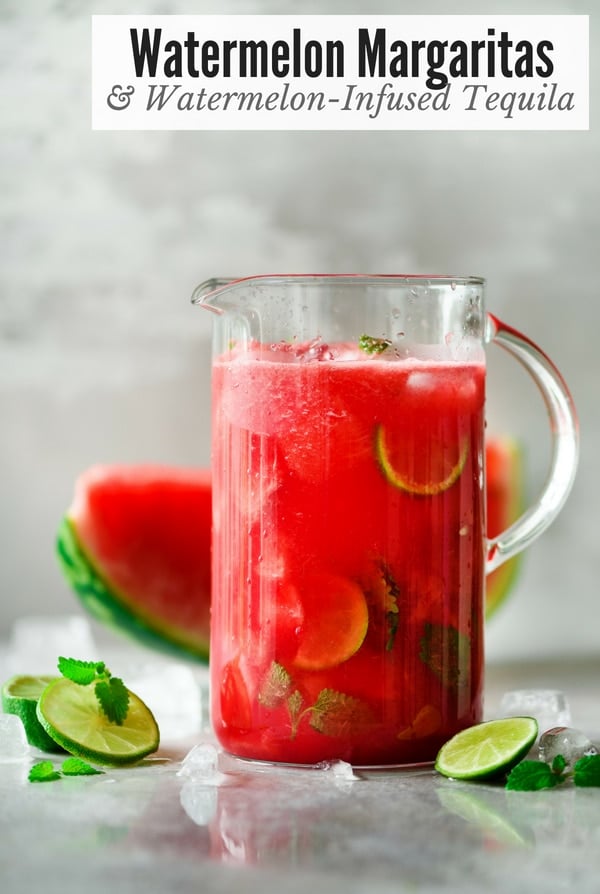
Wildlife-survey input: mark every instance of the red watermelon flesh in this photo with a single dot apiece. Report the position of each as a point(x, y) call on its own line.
point(145, 531)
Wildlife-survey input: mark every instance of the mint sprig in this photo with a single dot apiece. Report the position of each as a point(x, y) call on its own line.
point(447, 653)
point(74, 766)
point(337, 714)
point(530, 776)
point(111, 692)
point(44, 771)
point(333, 713)
point(81, 672)
point(113, 698)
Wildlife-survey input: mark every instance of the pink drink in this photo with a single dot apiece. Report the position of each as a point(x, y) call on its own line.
point(348, 554)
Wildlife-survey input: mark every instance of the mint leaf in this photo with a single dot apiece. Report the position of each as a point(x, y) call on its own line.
point(81, 672)
point(382, 594)
point(74, 766)
point(294, 705)
point(71, 766)
point(586, 771)
point(113, 698)
point(111, 692)
point(446, 652)
point(559, 764)
point(275, 687)
point(337, 714)
point(371, 345)
point(43, 772)
point(532, 776)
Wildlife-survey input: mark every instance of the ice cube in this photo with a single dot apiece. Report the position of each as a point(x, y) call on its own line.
point(337, 770)
point(421, 382)
point(173, 694)
point(200, 802)
point(571, 743)
point(37, 641)
point(548, 706)
point(202, 764)
point(13, 741)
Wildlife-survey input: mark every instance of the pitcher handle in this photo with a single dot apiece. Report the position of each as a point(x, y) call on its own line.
point(565, 444)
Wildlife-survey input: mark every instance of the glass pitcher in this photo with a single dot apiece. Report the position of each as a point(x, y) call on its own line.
point(349, 536)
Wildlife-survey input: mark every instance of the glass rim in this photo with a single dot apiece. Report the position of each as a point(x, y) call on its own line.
point(218, 284)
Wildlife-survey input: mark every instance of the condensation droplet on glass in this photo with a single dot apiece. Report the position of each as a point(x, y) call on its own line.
point(400, 334)
point(453, 286)
point(448, 337)
point(464, 531)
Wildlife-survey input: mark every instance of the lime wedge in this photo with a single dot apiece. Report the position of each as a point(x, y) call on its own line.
point(441, 467)
point(487, 749)
point(20, 696)
point(335, 620)
point(71, 715)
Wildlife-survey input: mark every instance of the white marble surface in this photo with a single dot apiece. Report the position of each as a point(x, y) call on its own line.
point(258, 829)
point(104, 235)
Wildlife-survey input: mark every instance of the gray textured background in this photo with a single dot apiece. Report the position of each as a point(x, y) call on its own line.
point(104, 235)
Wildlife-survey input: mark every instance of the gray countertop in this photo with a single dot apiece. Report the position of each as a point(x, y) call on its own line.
point(253, 827)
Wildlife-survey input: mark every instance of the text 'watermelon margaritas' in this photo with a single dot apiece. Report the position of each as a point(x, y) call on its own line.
point(348, 578)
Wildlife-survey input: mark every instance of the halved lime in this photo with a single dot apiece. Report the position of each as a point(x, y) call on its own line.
point(439, 468)
point(20, 696)
point(71, 715)
point(487, 749)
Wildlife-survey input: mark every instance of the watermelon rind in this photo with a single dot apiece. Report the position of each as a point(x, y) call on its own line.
point(502, 580)
point(107, 607)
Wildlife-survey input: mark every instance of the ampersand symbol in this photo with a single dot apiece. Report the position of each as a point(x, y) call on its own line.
point(120, 98)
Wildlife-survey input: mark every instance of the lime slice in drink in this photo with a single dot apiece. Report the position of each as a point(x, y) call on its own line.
point(487, 749)
point(20, 696)
point(335, 620)
point(71, 715)
point(424, 474)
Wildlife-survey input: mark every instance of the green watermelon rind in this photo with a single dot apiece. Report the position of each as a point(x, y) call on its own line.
point(496, 593)
point(103, 604)
point(506, 575)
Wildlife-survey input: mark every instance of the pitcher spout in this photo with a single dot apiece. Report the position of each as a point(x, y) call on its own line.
point(208, 293)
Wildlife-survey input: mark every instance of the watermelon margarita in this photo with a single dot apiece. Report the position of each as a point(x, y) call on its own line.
point(348, 577)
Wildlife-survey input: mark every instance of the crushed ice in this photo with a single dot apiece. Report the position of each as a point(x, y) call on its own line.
point(337, 770)
point(13, 741)
point(548, 706)
point(173, 693)
point(201, 764)
point(36, 641)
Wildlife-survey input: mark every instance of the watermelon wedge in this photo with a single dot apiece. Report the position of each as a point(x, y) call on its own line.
point(135, 547)
point(504, 476)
